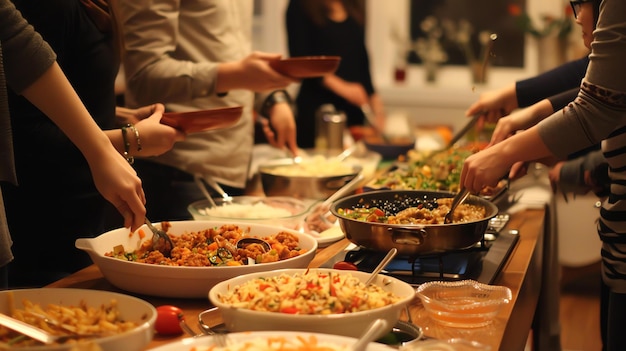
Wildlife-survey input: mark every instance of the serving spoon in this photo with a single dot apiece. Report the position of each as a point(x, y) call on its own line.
point(373, 332)
point(244, 242)
point(390, 255)
point(160, 240)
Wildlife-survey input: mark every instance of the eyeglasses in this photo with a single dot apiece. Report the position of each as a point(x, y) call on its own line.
point(576, 6)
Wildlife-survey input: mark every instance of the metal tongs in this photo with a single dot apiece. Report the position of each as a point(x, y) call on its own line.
point(458, 199)
point(38, 333)
point(457, 136)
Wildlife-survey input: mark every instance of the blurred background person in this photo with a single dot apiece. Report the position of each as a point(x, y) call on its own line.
point(195, 56)
point(53, 177)
point(332, 28)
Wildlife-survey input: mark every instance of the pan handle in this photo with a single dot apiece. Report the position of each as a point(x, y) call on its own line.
point(408, 236)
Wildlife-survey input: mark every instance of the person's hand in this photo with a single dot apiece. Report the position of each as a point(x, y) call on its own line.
point(493, 105)
point(482, 169)
point(117, 181)
point(253, 73)
point(124, 115)
point(354, 93)
point(554, 175)
point(156, 138)
point(520, 120)
point(280, 131)
point(510, 124)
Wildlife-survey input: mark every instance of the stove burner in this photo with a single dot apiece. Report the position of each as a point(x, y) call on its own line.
point(481, 262)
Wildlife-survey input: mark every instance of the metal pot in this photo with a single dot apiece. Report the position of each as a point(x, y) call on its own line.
point(302, 186)
point(411, 240)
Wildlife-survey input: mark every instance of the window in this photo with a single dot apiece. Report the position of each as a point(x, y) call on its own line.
point(484, 16)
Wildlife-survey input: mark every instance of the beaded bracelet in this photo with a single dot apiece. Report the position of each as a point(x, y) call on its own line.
point(127, 156)
point(134, 129)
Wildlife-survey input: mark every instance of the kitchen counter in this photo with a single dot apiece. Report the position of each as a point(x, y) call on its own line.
point(523, 274)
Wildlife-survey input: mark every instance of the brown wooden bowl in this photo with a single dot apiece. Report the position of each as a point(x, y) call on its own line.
point(306, 66)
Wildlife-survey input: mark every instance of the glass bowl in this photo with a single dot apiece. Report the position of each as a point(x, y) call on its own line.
point(454, 344)
point(274, 210)
point(465, 304)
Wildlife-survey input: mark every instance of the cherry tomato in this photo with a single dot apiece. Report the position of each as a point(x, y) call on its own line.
point(168, 320)
point(345, 265)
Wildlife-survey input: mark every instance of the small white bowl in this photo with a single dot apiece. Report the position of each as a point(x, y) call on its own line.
point(464, 304)
point(346, 324)
point(339, 343)
point(131, 309)
point(179, 281)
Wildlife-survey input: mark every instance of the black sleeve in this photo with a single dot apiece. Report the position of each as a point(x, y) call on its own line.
point(565, 77)
point(561, 100)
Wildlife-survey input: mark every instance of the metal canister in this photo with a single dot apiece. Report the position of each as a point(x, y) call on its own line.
point(330, 128)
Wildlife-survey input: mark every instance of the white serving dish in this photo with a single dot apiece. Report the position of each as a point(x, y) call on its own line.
point(346, 324)
point(206, 342)
point(131, 309)
point(177, 281)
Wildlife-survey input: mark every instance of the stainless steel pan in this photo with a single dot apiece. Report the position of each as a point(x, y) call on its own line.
point(412, 240)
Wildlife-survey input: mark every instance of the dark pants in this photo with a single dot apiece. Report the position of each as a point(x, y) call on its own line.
point(613, 319)
point(169, 191)
point(44, 233)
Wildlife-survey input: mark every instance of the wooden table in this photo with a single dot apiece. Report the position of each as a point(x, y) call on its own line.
point(523, 274)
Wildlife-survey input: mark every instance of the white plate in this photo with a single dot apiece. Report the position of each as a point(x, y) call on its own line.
point(329, 236)
point(204, 343)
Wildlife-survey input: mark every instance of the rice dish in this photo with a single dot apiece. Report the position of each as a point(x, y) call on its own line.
point(311, 293)
point(257, 210)
point(317, 166)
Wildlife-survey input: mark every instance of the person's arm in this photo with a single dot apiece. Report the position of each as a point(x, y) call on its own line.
point(277, 120)
point(31, 70)
point(561, 100)
point(520, 119)
point(564, 77)
point(151, 36)
point(581, 175)
point(114, 178)
point(501, 102)
point(146, 136)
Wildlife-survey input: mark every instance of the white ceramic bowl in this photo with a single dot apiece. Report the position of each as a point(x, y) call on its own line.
point(178, 281)
point(346, 324)
point(281, 211)
point(207, 342)
point(131, 309)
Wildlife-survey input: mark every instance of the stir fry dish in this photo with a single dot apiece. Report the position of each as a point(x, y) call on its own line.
point(441, 171)
point(97, 321)
point(413, 211)
point(214, 247)
point(311, 293)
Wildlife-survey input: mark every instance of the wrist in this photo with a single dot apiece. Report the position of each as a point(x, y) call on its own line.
point(276, 97)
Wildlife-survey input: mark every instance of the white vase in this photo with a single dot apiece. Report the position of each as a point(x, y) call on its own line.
point(551, 51)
